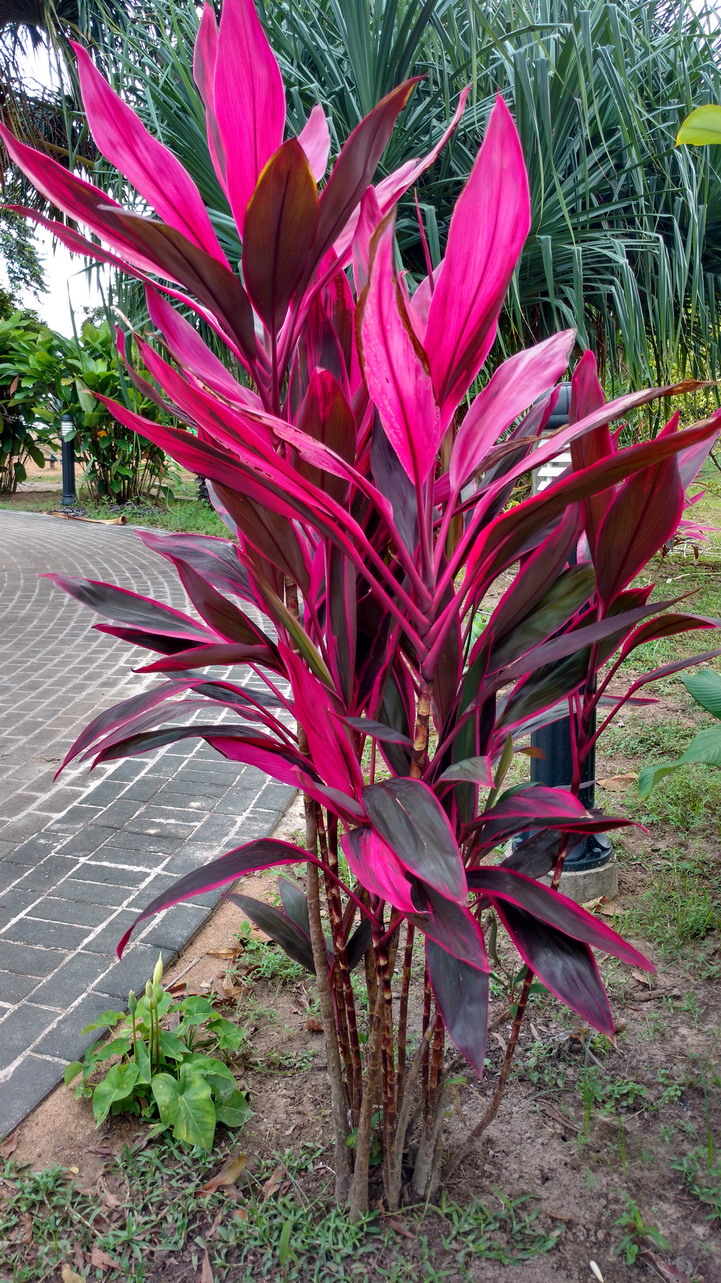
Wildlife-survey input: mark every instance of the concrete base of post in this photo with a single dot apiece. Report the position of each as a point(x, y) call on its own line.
point(589, 884)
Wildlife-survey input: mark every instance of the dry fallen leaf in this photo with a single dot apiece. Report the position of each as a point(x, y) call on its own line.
point(666, 1269)
point(102, 1261)
point(274, 1182)
point(399, 1229)
point(313, 1026)
point(69, 1276)
point(610, 910)
point(225, 953)
point(618, 783)
point(641, 977)
point(227, 1175)
point(9, 1146)
point(206, 1273)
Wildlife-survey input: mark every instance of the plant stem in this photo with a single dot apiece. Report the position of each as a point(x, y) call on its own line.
point(346, 997)
point(462, 1153)
point(403, 1012)
point(359, 1182)
point(325, 998)
point(419, 758)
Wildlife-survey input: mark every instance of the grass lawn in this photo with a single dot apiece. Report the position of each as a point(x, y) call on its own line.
point(601, 1152)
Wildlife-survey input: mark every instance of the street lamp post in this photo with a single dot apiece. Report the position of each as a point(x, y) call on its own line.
point(67, 437)
point(589, 869)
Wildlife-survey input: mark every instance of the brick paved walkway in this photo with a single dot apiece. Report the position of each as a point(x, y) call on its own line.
point(79, 856)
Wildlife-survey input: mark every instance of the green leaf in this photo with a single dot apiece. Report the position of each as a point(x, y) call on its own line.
point(72, 1070)
point(171, 1046)
point(107, 1020)
point(195, 1010)
point(117, 1085)
point(701, 127)
point(229, 1035)
point(705, 688)
point(142, 1060)
point(187, 1107)
point(234, 1109)
point(704, 747)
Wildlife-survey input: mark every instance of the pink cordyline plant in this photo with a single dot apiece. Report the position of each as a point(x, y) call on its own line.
point(367, 485)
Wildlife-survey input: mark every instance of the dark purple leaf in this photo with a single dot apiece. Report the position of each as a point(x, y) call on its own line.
point(130, 608)
point(461, 993)
point(291, 938)
point(451, 925)
point(377, 730)
point(413, 823)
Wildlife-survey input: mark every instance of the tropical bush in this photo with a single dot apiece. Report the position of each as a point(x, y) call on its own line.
point(21, 393)
point(374, 514)
point(705, 747)
point(625, 228)
point(58, 375)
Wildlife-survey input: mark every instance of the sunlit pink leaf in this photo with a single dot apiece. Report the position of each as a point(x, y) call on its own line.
point(314, 138)
point(249, 101)
point(374, 864)
point(488, 228)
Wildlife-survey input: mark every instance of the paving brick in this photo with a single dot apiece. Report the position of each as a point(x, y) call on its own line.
point(66, 1038)
point(52, 870)
point(24, 827)
point(118, 813)
point(191, 856)
point(155, 843)
point(27, 1086)
point(133, 972)
point(14, 987)
point(91, 871)
point(142, 789)
point(55, 909)
point(105, 893)
point(47, 935)
point(86, 841)
point(216, 829)
point(105, 942)
point(123, 855)
point(175, 927)
point(13, 902)
point(28, 961)
point(79, 973)
point(20, 1028)
point(34, 850)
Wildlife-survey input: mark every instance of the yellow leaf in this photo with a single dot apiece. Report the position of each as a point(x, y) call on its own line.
point(703, 126)
point(69, 1276)
point(227, 1175)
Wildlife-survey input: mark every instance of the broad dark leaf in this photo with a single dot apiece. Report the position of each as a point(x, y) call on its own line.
point(263, 854)
point(280, 226)
point(291, 938)
point(377, 730)
point(295, 903)
point(359, 943)
point(565, 966)
point(451, 925)
point(413, 823)
point(462, 996)
point(130, 608)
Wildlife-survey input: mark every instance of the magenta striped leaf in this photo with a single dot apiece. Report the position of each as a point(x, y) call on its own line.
point(395, 367)
point(147, 164)
point(130, 608)
point(636, 525)
point(377, 868)
point(293, 940)
point(248, 101)
point(314, 138)
point(281, 222)
point(450, 925)
point(250, 858)
point(412, 821)
point(488, 228)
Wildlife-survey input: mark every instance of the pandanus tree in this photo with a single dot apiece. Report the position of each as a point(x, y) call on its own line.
point(405, 619)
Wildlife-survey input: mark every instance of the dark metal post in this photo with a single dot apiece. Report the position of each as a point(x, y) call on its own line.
point(67, 435)
point(555, 768)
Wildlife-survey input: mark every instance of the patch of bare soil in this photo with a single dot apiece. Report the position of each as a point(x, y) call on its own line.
point(584, 1129)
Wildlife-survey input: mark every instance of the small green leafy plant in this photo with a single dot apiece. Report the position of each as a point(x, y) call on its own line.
point(165, 1073)
point(637, 1233)
point(705, 747)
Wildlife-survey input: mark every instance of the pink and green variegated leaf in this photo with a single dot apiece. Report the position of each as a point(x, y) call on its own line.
point(120, 714)
point(200, 656)
point(389, 190)
point(395, 367)
point(637, 525)
point(499, 545)
point(666, 626)
point(412, 821)
point(461, 992)
point(314, 138)
point(248, 102)
point(130, 608)
point(214, 558)
point(488, 228)
point(281, 222)
point(153, 170)
point(373, 863)
point(250, 858)
point(565, 966)
point(556, 910)
point(512, 388)
point(81, 200)
point(172, 255)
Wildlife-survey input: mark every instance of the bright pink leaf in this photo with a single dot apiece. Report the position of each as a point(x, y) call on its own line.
point(515, 385)
point(314, 138)
point(154, 171)
point(395, 366)
point(204, 59)
point(249, 101)
point(489, 226)
point(377, 868)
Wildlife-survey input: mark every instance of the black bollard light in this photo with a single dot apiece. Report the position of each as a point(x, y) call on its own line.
point(555, 767)
point(67, 437)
